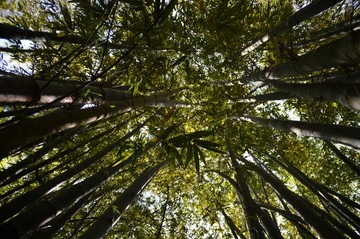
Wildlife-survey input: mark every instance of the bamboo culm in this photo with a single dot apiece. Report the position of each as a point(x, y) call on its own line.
point(346, 135)
point(14, 206)
point(314, 8)
point(344, 51)
point(110, 217)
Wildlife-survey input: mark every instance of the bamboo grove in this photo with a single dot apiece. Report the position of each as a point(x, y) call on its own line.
point(179, 119)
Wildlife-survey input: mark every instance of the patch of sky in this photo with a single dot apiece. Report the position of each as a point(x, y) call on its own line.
point(145, 133)
point(5, 13)
point(8, 63)
point(87, 106)
point(290, 113)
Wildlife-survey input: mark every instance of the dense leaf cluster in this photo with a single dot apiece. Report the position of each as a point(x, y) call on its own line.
point(179, 119)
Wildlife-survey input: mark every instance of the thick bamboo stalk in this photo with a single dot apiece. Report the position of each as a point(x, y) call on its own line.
point(344, 51)
point(315, 220)
point(266, 97)
point(294, 219)
point(271, 228)
point(111, 216)
point(22, 91)
point(13, 207)
point(344, 26)
point(38, 215)
point(249, 206)
point(321, 193)
point(347, 94)
point(335, 77)
point(230, 222)
point(355, 168)
point(24, 167)
point(60, 222)
point(314, 8)
point(30, 129)
point(41, 213)
point(346, 135)
point(11, 32)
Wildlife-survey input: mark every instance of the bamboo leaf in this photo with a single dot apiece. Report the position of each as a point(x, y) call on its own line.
point(203, 143)
point(64, 10)
point(215, 150)
point(138, 3)
point(135, 88)
point(197, 159)
point(179, 61)
point(86, 93)
point(168, 130)
point(168, 10)
point(178, 156)
point(115, 209)
point(179, 141)
point(202, 157)
point(172, 158)
point(189, 154)
point(200, 134)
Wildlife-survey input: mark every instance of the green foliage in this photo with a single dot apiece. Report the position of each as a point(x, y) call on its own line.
point(166, 45)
